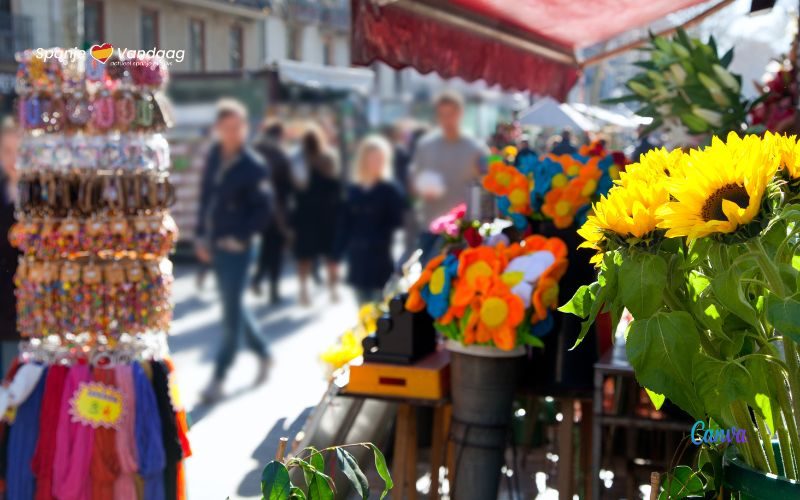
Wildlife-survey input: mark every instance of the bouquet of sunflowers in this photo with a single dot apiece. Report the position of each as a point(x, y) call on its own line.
point(558, 188)
point(494, 294)
point(702, 248)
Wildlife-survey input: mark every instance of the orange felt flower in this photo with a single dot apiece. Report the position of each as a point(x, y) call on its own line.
point(502, 178)
point(588, 177)
point(476, 267)
point(415, 302)
point(562, 204)
point(545, 297)
point(497, 317)
point(519, 195)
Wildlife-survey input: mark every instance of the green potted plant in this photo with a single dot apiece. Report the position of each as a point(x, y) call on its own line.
point(276, 482)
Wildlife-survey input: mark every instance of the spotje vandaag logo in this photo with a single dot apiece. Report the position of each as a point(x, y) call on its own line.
point(102, 52)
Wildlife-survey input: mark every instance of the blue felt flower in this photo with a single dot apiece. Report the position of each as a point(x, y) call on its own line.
point(542, 328)
point(519, 220)
point(543, 172)
point(503, 205)
point(436, 293)
point(527, 164)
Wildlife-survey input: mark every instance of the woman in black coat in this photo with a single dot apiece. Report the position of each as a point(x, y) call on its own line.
point(317, 198)
point(372, 212)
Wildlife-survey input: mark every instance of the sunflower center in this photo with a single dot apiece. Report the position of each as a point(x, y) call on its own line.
point(712, 209)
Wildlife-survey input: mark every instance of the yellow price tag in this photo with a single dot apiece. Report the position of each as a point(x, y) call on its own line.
point(175, 393)
point(10, 415)
point(97, 405)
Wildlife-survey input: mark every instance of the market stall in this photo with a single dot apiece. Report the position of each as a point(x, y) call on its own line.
point(657, 273)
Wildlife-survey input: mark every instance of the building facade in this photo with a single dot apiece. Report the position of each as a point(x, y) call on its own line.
point(215, 35)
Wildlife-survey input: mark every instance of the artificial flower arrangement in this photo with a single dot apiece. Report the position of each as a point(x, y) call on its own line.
point(550, 187)
point(494, 293)
point(702, 248)
point(686, 88)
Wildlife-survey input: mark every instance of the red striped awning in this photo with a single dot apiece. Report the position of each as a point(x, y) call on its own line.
point(521, 44)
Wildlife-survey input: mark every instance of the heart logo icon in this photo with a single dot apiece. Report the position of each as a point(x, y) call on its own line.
point(102, 52)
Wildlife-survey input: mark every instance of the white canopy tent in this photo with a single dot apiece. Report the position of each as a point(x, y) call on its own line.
point(547, 112)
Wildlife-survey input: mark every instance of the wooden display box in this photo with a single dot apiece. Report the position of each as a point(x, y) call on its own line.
point(429, 378)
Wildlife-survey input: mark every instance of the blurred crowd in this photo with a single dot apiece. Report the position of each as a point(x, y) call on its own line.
point(279, 191)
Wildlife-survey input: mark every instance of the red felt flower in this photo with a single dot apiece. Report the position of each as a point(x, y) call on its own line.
point(473, 237)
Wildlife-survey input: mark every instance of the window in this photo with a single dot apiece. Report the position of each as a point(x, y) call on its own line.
point(149, 29)
point(93, 25)
point(294, 42)
point(197, 45)
point(328, 48)
point(237, 46)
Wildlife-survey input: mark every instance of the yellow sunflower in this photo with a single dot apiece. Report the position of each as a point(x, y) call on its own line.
point(653, 166)
point(720, 189)
point(629, 212)
point(787, 148)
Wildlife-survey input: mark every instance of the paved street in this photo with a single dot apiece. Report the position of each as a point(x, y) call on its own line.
point(234, 439)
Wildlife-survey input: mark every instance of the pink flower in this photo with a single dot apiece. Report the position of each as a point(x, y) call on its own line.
point(449, 223)
point(459, 211)
point(446, 224)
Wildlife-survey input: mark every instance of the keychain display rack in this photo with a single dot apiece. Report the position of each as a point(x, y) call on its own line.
point(90, 408)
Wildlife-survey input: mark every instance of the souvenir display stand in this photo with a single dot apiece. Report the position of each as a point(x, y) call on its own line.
point(91, 407)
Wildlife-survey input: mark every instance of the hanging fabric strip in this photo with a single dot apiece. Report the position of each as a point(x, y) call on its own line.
point(74, 444)
point(105, 461)
point(125, 486)
point(21, 483)
point(45, 454)
point(149, 440)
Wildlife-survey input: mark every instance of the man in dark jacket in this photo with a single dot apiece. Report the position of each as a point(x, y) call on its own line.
point(235, 203)
point(525, 151)
point(277, 234)
point(564, 146)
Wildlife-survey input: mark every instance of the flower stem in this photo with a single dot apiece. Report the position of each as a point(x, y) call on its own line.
point(767, 267)
point(766, 440)
point(758, 457)
point(793, 378)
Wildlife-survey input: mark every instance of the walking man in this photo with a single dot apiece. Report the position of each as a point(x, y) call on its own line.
point(234, 209)
point(446, 163)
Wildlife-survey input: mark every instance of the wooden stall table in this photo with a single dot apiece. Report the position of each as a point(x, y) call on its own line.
point(424, 384)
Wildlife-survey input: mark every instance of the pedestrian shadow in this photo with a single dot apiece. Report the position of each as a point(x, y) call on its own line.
point(201, 410)
point(251, 482)
point(188, 306)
